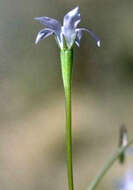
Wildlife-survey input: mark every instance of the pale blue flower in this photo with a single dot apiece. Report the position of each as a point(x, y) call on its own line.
point(126, 183)
point(66, 35)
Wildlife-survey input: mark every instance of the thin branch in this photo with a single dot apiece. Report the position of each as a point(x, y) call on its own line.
point(108, 165)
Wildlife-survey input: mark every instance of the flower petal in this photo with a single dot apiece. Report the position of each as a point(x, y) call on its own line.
point(91, 33)
point(44, 33)
point(72, 19)
point(78, 37)
point(50, 23)
point(70, 22)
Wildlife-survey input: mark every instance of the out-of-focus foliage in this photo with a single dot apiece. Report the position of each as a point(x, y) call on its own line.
point(32, 122)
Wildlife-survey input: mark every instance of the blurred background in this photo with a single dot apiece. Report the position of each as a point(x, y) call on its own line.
point(32, 116)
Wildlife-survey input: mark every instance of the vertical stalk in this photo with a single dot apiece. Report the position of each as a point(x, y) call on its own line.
point(66, 67)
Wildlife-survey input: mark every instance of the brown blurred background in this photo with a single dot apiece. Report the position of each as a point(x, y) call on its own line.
point(32, 117)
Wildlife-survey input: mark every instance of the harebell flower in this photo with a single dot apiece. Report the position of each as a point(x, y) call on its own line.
point(66, 36)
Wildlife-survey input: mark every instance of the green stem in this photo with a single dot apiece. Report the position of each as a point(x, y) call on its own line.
point(102, 173)
point(66, 66)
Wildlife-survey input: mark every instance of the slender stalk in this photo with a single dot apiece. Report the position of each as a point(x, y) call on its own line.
point(66, 66)
point(109, 164)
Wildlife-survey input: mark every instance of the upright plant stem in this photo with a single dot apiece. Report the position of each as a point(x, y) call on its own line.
point(66, 66)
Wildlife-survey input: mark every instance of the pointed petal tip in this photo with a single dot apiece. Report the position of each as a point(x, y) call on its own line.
point(40, 18)
point(73, 12)
point(38, 38)
point(99, 43)
point(36, 18)
point(77, 8)
point(36, 41)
